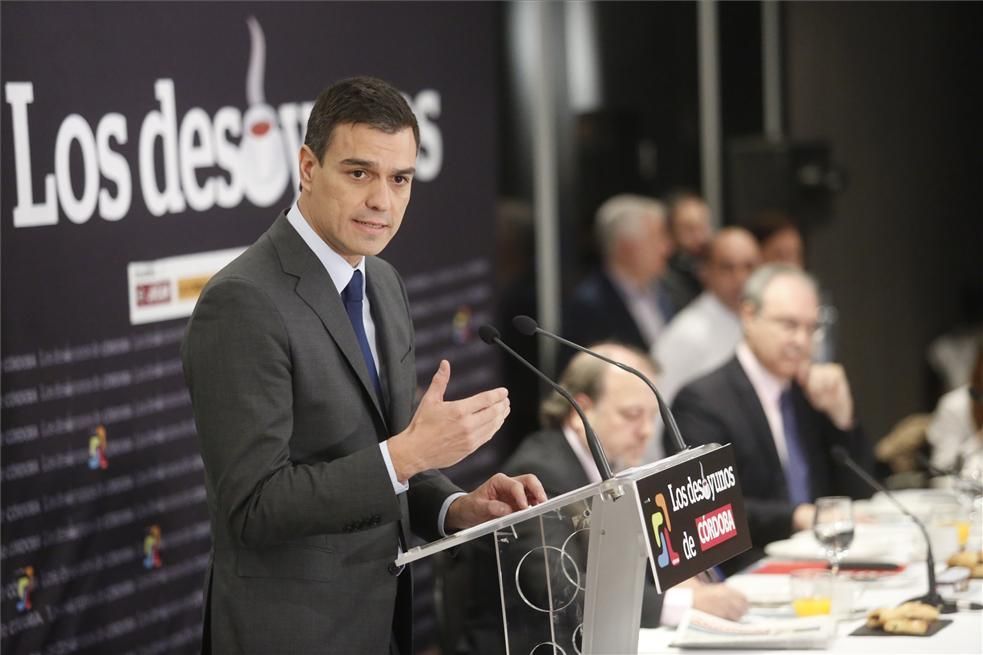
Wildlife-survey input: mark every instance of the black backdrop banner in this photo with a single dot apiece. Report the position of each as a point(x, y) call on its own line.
point(143, 146)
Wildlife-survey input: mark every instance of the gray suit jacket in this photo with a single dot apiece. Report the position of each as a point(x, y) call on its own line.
point(305, 523)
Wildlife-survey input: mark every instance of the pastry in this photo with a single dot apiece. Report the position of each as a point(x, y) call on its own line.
point(922, 611)
point(906, 626)
point(911, 618)
point(965, 558)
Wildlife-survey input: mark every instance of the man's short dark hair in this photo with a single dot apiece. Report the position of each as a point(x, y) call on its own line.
point(366, 100)
point(766, 223)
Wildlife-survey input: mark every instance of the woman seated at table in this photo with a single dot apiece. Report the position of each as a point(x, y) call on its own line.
point(956, 431)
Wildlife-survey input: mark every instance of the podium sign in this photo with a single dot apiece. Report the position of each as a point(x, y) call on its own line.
point(694, 514)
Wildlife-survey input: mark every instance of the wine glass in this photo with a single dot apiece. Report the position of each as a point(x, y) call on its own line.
point(833, 527)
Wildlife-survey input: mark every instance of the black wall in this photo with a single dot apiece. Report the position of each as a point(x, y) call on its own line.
point(895, 88)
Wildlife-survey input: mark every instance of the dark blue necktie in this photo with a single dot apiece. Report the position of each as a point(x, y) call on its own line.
point(796, 465)
point(352, 297)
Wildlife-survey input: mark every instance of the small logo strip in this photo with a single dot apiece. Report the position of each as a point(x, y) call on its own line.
point(716, 527)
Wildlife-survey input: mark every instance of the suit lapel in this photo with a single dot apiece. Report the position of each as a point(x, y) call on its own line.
point(316, 289)
point(392, 339)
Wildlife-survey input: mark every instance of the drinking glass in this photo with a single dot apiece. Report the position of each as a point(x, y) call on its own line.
point(811, 592)
point(833, 527)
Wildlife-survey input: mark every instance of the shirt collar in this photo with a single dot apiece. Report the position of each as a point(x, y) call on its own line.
point(716, 306)
point(340, 270)
point(583, 455)
point(764, 382)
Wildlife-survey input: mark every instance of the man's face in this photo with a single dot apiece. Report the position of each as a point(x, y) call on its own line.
point(646, 252)
point(784, 247)
point(356, 198)
point(624, 416)
point(780, 332)
point(733, 257)
point(691, 226)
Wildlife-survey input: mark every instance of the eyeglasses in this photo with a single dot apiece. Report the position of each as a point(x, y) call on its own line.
point(790, 325)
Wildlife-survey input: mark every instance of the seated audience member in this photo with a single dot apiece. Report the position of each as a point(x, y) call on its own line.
point(779, 238)
point(782, 412)
point(952, 354)
point(703, 336)
point(622, 411)
point(624, 301)
point(689, 225)
point(956, 430)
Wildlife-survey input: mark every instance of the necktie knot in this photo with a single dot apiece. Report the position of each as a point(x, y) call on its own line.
point(354, 291)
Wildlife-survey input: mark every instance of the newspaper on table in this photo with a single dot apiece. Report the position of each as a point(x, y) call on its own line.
point(701, 630)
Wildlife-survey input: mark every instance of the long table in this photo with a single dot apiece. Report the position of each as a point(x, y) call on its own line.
point(963, 636)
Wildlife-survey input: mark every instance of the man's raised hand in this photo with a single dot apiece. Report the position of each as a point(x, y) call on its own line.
point(443, 432)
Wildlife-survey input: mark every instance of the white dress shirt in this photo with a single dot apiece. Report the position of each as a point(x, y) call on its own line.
point(953, 434)
point(697, 340)
point(642, 304)
point(769, 389)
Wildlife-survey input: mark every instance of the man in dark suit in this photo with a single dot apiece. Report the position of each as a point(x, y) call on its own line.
point(622, 411)
point(782, 412)
point(300, 362)
point(624, 301)
point(689, 224)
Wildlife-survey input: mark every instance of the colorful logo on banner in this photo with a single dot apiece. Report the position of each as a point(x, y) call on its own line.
point(26, 584)
point(463, 330)
point(661, 528)
point(97, 449)
point(151, 548)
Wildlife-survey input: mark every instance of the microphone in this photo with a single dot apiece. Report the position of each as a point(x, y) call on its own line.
point(528, 326)
point(841, 456)
point(491, 336)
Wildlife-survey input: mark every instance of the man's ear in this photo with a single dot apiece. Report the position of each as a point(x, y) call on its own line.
point(586, 402)
point(747, 312)
point(307, 160)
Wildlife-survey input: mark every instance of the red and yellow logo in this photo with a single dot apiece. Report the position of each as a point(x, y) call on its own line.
point(661, 527)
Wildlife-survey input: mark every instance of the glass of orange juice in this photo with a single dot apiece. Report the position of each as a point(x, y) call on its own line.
point(812, 592)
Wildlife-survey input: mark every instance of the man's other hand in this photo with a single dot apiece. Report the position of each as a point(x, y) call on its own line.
point(720, 600)
point(499, 496)
point(826, 387)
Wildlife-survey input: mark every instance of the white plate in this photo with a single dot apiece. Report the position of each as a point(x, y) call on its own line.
point(805, 547)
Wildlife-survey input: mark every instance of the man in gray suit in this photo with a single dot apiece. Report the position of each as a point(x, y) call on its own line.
point(300, 361)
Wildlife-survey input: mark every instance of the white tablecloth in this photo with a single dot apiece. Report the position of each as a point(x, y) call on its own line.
point(963, 636)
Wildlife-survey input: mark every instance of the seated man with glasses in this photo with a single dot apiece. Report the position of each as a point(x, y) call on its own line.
point(782, 412)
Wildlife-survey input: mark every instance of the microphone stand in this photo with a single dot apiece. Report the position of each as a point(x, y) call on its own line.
point(492, 336)
point(528, 326)
point(932, 597)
